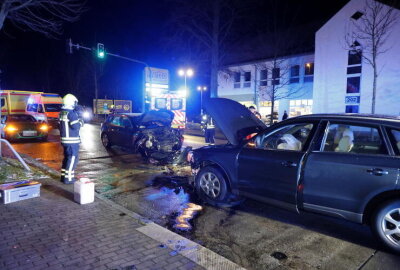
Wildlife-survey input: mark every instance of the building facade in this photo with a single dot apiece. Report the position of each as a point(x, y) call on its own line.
point(287, 80)
point(343, 78)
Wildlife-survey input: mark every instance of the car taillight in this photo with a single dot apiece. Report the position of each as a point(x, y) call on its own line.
point(10, 128)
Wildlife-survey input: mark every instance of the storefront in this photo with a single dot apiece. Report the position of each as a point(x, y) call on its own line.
point(265, 109)
point(300, 107)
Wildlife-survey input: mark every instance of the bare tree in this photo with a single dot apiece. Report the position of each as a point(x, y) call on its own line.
point(371, 30)
point(202, 29)
point(43, 16)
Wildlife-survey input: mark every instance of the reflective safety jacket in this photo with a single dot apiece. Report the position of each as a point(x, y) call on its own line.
point(208, 122)
point(70, 125)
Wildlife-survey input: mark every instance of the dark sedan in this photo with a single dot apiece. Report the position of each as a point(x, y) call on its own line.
point(150, 134)
point(345, 166)
point(21, 127)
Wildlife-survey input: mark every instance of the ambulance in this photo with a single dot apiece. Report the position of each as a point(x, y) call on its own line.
point(43, 106)
point(173, 102)
point(52, 104)
point(22, 102)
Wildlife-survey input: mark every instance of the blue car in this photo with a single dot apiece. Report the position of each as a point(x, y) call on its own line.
point(341, 165)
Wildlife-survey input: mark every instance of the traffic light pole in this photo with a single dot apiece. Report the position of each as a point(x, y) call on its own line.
point(70, 46)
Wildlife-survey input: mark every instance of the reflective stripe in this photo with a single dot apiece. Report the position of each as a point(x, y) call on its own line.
point(66, 129)
point(78, 142)
point(74, 122)
point(70, 171)
point(70, 138)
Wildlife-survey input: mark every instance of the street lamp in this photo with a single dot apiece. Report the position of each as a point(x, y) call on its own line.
point(186, 73)
point(201, 89)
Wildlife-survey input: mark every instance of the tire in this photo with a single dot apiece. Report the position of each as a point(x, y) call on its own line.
point(212, 186)
point(105, 140)
point(386, 218)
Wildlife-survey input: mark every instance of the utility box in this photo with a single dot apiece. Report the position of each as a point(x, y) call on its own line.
point(84, 191)
point(18, 191)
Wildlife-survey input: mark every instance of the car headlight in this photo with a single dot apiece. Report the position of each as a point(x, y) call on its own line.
point(44, 128)
point(10, 128)
point(189, 157)
point(86, 115)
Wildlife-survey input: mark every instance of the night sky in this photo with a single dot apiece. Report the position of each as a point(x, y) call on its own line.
point(136, 29)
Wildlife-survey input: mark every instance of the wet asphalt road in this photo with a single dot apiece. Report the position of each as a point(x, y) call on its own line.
point(253, 235)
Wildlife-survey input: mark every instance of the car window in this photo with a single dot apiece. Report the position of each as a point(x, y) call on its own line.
point(353, 139)
point(116, 121)
point(32, 107)
point(21, 118)
point(396, 136)
point(291, 137)
point(126, 122)
point(53, 107)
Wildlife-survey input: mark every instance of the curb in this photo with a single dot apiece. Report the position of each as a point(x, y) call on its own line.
point(200, 255)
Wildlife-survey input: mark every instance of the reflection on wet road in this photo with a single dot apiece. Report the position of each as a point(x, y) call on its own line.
point(121, 175)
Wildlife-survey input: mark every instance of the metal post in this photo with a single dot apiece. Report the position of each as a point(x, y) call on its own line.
point(201, 101)
point(185, 84)
point(15, 154)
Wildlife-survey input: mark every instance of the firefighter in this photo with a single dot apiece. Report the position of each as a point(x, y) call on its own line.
point(209, 129)
point(70, 124)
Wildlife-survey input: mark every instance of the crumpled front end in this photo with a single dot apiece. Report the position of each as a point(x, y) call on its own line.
point(162, 144)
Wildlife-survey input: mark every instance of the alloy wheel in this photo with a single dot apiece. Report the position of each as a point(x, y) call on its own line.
point(390, 226)
point(105, 140)
point(210, 184)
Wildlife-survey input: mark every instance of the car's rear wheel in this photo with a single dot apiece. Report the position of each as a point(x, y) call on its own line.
point(105, 140)
point(385, 224)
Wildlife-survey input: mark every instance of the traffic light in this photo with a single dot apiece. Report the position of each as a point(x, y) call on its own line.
point(100, 50)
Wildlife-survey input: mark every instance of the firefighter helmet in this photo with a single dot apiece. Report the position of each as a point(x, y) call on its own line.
point(70, 100)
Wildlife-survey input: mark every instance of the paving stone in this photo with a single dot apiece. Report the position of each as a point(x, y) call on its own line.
point(52, 232)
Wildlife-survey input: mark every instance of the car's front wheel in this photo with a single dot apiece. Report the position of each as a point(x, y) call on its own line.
point(386, 224)
point(105, 140)
point(211, 186)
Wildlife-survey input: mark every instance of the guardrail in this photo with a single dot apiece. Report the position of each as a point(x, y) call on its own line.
point(15, 154)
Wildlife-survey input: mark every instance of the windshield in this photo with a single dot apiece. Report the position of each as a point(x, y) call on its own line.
point(20, 118)
point(52, 107)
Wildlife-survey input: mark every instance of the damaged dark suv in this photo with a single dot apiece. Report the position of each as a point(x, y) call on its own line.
point(341, 165)
point(149, 134)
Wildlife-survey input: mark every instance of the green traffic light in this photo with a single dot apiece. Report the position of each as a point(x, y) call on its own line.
point(100, 54)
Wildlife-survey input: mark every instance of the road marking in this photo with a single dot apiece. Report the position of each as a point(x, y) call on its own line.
point(189, 249)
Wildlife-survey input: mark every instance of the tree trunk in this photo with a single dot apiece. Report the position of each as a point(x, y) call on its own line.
point(374, 89)
point(271, 121)
point(215, 51)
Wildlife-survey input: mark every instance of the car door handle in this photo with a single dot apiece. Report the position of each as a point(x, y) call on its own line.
point(377, 171)
point(288, 164)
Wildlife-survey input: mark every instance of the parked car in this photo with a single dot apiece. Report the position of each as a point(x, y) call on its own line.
point(341, 165)
point(22, 126)
point(150, 134)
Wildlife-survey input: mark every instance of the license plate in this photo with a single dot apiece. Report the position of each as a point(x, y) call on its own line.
point(29, 133)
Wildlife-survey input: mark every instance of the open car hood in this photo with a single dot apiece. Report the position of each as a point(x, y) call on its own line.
point(234, 119)
point(161, 116)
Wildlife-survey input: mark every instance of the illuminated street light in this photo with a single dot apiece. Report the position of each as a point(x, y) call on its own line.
point(201, 89)
point(186, 73)
point(189, 72)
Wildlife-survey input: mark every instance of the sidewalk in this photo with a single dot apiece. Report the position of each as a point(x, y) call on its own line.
point(54, 232)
